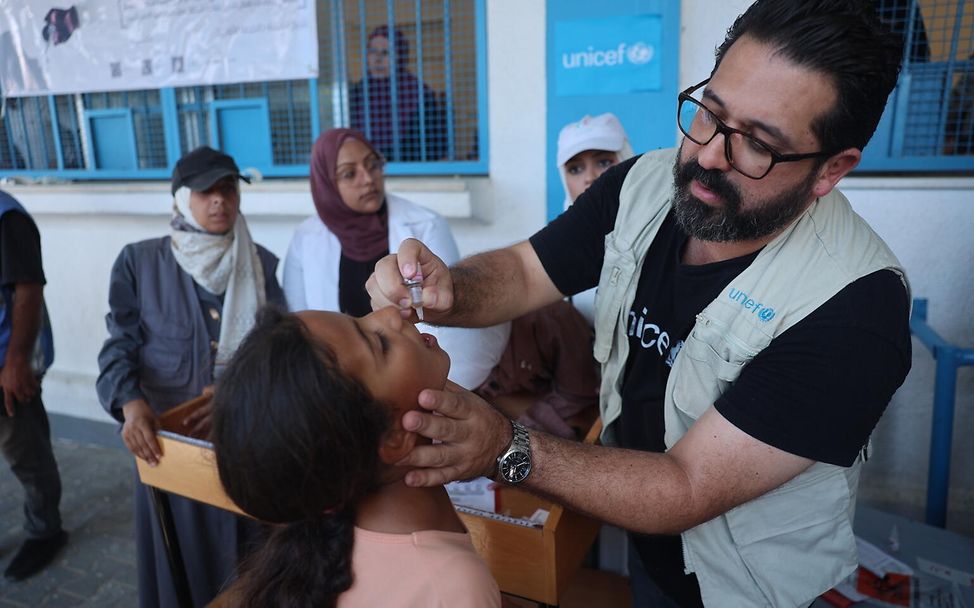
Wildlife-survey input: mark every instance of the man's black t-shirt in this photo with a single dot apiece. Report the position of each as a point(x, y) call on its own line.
point(816, 391)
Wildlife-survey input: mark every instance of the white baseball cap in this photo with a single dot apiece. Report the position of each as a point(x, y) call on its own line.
point(602, 132)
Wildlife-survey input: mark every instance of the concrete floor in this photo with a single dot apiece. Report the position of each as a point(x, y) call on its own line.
point(97, 566)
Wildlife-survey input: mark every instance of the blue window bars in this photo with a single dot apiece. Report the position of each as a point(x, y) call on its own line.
point(929, 120)
point(410, 73)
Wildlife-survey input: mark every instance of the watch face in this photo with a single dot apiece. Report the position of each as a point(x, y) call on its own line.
point(515, 467)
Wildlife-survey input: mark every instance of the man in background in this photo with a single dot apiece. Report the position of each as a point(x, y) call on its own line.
point(26, 351)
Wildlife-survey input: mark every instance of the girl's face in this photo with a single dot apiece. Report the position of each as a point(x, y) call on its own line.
point(583, 168)
point(384, 353)
point(358, 174)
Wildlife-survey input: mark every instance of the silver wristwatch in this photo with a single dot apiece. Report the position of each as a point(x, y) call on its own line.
point(514, 463)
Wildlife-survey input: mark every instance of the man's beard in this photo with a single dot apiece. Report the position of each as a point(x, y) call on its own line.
point(727, 222)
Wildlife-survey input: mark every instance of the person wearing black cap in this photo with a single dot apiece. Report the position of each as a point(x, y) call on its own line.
point(179, 307)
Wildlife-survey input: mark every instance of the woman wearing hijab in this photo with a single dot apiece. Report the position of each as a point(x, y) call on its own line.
point(179, 307)
point(333, 253)
point(390, 103)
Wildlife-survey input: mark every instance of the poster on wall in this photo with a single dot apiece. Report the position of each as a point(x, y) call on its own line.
point(608, 56)
point(54, 47)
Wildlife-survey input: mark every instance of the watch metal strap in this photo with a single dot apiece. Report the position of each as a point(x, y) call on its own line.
point(521, 438)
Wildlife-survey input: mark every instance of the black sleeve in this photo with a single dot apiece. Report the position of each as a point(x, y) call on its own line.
point(818, 389)
point(20, 250)
point(571, 248)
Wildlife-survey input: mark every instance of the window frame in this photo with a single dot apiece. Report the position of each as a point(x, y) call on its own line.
point(172, 138)
point(885, 152)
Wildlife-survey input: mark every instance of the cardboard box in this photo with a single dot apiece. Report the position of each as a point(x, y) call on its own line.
point(188, 465)
point(532, 562)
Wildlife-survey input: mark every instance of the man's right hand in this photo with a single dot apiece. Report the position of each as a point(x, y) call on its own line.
point(17, 382)
point(139, 431)
point(386, 288)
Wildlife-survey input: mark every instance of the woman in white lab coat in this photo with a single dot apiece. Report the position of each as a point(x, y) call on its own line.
point(357, 223)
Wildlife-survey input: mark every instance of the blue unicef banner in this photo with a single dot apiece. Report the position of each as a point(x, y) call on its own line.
point(611, 55)
point(618, 56)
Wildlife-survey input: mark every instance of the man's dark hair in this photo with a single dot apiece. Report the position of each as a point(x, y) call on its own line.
point(842, 39)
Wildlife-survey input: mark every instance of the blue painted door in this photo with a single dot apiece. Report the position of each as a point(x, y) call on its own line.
point(111, 139)
point(242, 129)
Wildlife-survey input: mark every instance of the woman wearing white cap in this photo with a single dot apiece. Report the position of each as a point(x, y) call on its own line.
point(586, 149)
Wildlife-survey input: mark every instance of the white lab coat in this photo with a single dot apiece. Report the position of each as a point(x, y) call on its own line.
point(311, 283)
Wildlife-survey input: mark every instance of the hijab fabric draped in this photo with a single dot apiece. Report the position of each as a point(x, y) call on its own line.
point(363, 236)
point(222, 264)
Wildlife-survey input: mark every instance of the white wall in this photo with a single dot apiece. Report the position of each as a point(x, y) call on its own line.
point(928, 222)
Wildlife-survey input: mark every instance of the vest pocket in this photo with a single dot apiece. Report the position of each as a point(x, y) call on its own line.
point(165, 357)
point(798, 533)
point(702, 376)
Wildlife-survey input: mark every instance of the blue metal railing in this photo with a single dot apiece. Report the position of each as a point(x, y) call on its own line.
point(949, 358)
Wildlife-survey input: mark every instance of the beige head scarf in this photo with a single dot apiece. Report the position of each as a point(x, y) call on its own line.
point(222, 264)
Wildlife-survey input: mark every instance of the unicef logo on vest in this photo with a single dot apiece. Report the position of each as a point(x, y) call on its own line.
point(764, 313)
point(608, 55)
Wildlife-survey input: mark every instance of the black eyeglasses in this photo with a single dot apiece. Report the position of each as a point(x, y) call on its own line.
point(747, 155)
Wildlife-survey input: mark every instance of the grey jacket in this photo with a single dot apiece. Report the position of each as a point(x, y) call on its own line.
point(158, 347)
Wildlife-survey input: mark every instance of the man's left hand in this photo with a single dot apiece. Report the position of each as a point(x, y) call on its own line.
point(18, 383)
point(472, 434)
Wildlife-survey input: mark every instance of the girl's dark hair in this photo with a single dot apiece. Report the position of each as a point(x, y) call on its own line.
point(842, 39)
point(297, 444)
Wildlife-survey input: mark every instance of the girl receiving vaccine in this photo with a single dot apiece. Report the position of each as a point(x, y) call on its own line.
point(307, 434)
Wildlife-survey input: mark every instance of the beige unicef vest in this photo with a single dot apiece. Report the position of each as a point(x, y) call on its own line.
point(795, 542)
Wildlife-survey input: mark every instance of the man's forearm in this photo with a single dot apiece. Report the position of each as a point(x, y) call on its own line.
point(26, 321)
point(498, 286)
point(638, 491)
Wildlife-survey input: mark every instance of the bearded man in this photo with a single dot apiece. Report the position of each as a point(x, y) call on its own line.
point(751, 327)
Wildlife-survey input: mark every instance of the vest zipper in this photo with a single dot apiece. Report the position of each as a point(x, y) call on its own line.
point(687, 562)
point(727, 335)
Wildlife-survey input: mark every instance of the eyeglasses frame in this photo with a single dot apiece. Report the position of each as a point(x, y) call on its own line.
point(380, 165)
point(722, 129)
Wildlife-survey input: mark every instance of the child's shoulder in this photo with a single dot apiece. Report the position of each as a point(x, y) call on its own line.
point(462, 577)
point(441, 567)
